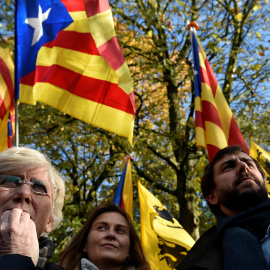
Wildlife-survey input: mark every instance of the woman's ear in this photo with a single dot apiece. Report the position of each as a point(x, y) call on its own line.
point(48, 227)
point(85, 248)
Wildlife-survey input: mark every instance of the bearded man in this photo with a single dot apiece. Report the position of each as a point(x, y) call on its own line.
point(235, 189)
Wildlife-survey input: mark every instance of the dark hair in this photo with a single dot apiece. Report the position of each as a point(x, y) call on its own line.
point(208, 184)
point(70, 258)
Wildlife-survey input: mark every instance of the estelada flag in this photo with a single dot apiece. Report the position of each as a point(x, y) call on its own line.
point(164, 241)
point(216, 127)
point(7, 115)
point(263, 157)
point(124, 193)
point(68, 57)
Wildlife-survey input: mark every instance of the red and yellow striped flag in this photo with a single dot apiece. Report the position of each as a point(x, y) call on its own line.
point(216, 127)
point(7, 116)
point(70, 59)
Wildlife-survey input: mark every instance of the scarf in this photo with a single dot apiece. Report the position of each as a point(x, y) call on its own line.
point(45, 251)
point(88, 265)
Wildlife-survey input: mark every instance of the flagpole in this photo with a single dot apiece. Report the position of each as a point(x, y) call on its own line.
point(192, 28)
point(16, 124)
point(16, 86)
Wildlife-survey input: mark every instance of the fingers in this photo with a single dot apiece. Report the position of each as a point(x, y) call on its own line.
point(11, 216)
point(16, 220)
point(17, 224)
point(18, 234)
point(4, 220)
point(24, 218)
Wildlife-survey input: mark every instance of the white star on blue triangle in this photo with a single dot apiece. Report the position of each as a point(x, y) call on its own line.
point(38, 22)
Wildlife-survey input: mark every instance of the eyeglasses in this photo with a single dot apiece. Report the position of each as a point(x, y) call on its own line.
point(38, 187)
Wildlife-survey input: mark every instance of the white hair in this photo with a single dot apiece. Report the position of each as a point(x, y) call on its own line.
point(23, 159)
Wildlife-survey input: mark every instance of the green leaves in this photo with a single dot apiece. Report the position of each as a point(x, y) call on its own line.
point(154, 38)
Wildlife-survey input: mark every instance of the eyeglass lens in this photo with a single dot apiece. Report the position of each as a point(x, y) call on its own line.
point(39, 187)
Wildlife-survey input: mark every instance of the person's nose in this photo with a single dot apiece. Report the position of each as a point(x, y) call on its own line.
point(23, 193)
point(242, 167)
point(110, 234)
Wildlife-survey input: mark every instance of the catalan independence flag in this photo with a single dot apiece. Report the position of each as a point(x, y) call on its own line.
point(7, 115)
point(216, 127)
point(68, 57)
point(124, 192)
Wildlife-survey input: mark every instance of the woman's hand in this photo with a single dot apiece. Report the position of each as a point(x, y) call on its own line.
point(18, 234)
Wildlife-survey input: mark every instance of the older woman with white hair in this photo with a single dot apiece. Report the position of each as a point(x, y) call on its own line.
point(31, 202)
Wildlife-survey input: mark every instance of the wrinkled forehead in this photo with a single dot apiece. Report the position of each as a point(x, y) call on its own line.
point(39, 173)
point(241, 156)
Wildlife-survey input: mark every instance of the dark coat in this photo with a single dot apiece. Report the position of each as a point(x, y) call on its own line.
point(235, 243)
point(19, 262)
point(206, 254)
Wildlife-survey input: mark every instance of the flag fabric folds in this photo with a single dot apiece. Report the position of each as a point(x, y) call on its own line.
point(216, 127)
point(124, 192)
point(164, 241)
point(7, 115)
point(68, 57)
point(263, 157)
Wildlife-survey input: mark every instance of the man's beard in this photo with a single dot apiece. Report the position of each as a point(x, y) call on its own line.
point(242, 200)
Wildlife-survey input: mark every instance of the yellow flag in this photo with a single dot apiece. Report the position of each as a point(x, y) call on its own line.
point(263, 157)
point(164, 241)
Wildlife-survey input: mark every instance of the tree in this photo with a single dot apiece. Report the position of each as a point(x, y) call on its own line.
point(155, 41)
point(7, 23)
point(166, 155)
point(89, 163)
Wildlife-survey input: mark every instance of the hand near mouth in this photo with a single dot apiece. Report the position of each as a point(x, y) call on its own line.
point(18, 234)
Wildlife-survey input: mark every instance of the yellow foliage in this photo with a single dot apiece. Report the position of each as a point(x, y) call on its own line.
point(148, 78)
point(258, 34)
point(239, 17)
point(257, 7)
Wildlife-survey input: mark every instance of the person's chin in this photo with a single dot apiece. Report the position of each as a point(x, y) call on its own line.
point(108, 252)
point(108, 256)
point(248, 186)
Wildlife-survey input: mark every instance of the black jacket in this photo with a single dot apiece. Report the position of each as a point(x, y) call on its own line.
point(20, 262)
point(206, 254)
point(235, 243)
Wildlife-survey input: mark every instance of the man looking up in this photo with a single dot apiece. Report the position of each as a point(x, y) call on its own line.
point(235, 190)
point(31, 202)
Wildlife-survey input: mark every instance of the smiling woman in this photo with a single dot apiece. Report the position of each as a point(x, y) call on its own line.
point(106, 241)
